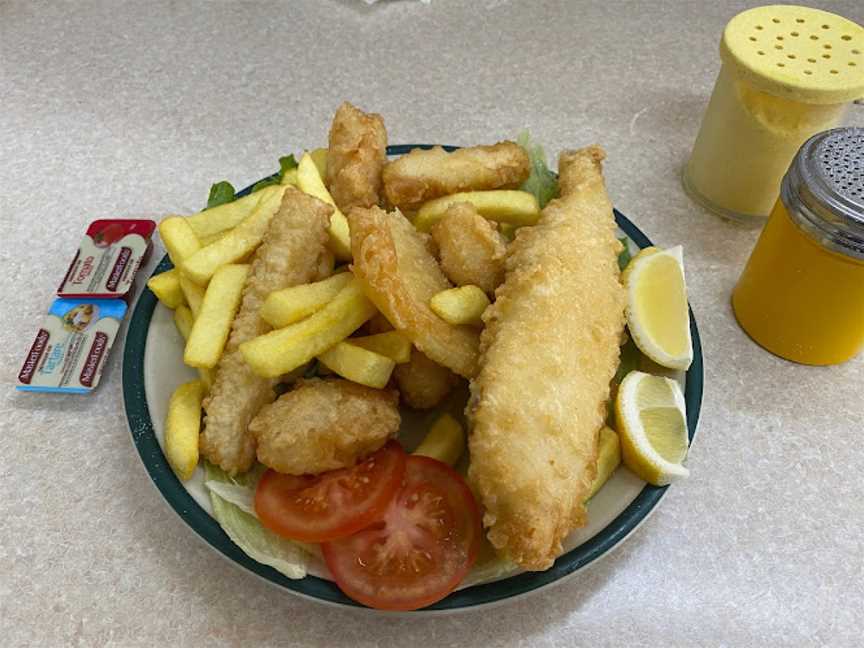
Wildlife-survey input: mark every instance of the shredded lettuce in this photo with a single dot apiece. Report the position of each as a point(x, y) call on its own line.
point(630, 358)
point(242, 497)
point(232, 508)
point(541, 182)
point(624, 256)
point(220, 193)
point(486, 571)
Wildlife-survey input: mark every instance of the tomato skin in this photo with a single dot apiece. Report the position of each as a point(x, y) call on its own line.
point(420, 551)
point(334, 504)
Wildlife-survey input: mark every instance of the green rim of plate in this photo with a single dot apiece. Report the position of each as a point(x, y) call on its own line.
point(144, 438)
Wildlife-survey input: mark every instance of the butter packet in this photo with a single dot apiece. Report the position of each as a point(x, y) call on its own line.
point(72, 345)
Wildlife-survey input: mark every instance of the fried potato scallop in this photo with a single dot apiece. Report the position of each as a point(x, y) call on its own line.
point(470, 248)
point(424, 174)
point(356, 156)
point(324, 425)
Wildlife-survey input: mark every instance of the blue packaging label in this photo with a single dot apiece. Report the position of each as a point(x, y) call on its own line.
point(72, 345)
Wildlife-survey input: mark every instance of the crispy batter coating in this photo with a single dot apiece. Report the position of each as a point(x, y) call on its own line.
point(470, 248)
point(289, 255)
point(425, 174)
point(323, 425)
point(549, 352)
point(356, 157)
point(393, 262)
point(423, 383)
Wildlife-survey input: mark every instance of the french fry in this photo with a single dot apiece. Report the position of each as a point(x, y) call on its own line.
point(608, 459)
point(290, 177)
point(463, 305)
point(212, 238)
point(182, 427)
point(445, 441)
point(184, 320)
point(310, 181)
point(236, 244)
point(212, 325)
point(290, 305)
point(179, 239)
point(285, 349)
point(503, 205)
point(216, 220)
point(166, 287)
point(391, 344)
point(193, 293)
point(319, 157)
point(358, 364)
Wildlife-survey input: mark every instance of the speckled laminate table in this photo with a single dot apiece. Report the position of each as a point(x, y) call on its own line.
point(114, 108)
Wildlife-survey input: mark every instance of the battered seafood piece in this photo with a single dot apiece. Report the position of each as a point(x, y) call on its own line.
point(470, 248)
point(549, 352)
point(425, 174)
point(355, 158)
point(399, 275)
point(423, 383)
point(290, 254)
point(323, 425)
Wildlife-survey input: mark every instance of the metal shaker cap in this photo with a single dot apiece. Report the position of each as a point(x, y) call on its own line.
point(824, 189)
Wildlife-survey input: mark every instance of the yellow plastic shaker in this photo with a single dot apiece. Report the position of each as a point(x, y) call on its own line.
point(801, 295)
point(787, 73)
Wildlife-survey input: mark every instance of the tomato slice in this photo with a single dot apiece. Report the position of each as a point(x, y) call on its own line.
point(333, 504)
point(420, 551)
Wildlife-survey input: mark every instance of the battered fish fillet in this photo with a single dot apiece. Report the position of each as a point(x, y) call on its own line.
point(355, 157)
point(470, 248)
point(290, 254)
point(549, 352)
point(323, 425)
point(425, 174)
point(399, 275)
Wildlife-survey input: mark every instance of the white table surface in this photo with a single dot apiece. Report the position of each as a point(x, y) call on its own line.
point(134, 108)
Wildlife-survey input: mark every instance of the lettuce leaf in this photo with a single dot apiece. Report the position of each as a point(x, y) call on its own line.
point(223, 192)
point(286, 163)
point(541, 182)
point(231, 501)
point(493, 569)
point(624, 256)
point(220, 193)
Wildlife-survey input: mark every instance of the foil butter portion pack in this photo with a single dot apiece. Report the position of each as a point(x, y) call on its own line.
point(71, 346)
point(108, 259)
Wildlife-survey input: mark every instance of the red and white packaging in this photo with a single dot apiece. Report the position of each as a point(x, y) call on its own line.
point(108, 259)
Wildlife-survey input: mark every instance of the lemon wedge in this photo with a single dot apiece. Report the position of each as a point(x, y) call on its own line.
point(657, 306)
point(652, 423)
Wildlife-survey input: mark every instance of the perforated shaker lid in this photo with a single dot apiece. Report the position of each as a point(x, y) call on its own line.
point(798, 53)
point(827, 179)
